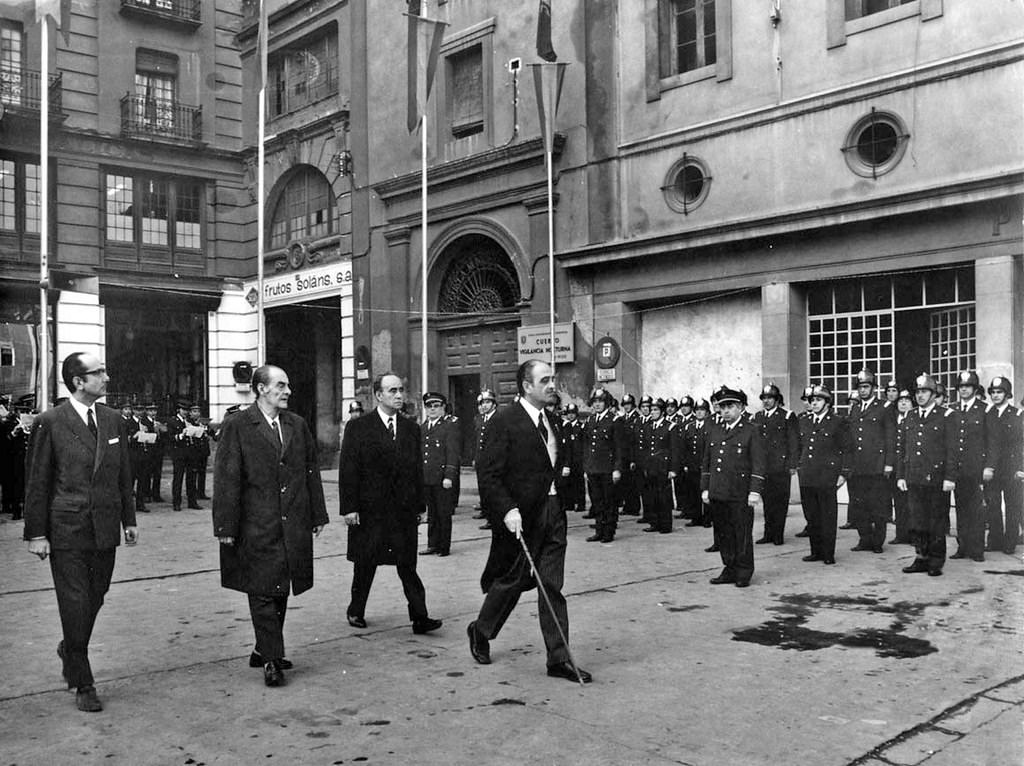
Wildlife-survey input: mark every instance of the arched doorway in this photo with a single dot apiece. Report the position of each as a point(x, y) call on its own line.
point(478, 299)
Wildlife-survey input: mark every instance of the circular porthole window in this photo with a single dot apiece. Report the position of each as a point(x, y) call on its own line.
point(686, 184)
point(875, 144)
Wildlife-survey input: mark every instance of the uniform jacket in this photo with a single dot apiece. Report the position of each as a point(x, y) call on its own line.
point(659, 449)
point(604, 444)
point(513, 471)
point(440, 451)
point(971, 442)
point(694, 439)
point(823, 450)
point(734, 461)
point(177, 442)
point(478, 428)
point(381, 479)
point(631, 423)
point(781, 433)
point(872, 439)
point(1003, 441)
point(928, 444)
point(572, 443)
point(268, 497)
point(78, 491)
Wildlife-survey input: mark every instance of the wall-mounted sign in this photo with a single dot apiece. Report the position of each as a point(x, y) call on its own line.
point(605, 376)
point(535, 343)
point(296, 286)
point(606, 353)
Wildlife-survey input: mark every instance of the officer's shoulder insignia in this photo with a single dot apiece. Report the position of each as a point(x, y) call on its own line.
point(947, 413)
point(989, 406)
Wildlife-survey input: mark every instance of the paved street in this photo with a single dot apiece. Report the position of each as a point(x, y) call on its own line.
point(851, 664)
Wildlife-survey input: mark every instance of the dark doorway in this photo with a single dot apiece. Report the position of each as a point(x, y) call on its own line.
point(463, 390)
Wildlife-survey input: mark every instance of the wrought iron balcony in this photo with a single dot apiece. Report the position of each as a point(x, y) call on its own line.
point(176, 11)
point(20, 90)
point(157, 119)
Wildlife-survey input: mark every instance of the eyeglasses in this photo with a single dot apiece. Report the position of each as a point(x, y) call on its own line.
point(97, 371)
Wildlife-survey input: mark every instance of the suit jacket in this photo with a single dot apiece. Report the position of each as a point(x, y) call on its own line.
point(381, 479)
point(513, 471)
point(872, 439)
point(269, 498)
point(440, 451)
point(823, 450)
point(78, 491)
point(734, 461)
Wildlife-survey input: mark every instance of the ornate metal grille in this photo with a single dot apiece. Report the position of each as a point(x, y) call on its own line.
point(477, 283)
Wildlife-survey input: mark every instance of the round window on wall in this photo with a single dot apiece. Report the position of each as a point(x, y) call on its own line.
point(875, 144)
point(686, 184)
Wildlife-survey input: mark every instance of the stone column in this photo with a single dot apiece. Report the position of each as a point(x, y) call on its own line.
point(784, 339)
point(999, 320)
point(389, 280)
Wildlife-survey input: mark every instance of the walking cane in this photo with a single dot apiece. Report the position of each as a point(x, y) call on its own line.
point(544, 593)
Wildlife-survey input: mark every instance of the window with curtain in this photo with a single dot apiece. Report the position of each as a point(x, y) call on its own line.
point(305, 209)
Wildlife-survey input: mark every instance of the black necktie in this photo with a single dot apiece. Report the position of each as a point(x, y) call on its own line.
point(540, 427)
point(91, 422)
point(391, 428)
point(277, 432)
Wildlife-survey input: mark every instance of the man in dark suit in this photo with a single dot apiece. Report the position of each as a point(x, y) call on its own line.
point(441, 465)
point(824, 442)
point(268, 504)
point(871, 459)
point(78, 497)
point(732, 483)
point(380, 480)
point(516, 471)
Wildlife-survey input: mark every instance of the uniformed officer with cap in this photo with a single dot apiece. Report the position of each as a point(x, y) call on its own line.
point(694, 434)
point(732, 483)
point(926, 471)
point(1003, 453)
point(571, 486)
point(604, 450)
point(871, 461)
point(629, 485)
point(355, 409)
point(486, 405)
point(971, 458)
point(180, 448)
point(823, 446)
point(781, 434)
point(659, 456)
point(901, 515)
point(805, 397)
point(441, 465)
point(155, 464)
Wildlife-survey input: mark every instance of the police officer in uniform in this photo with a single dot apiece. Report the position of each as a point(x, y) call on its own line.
point(732, 482)
point(571, 485)
point(182, 458)
point(781, 434)
point(155, 471)
point(1003, 453)
point(441, 463)
point(823, 446)
point(695, 435)
point(926, 471)
point(604, 449)
point(901, 517)
point(871, 461)
point(659, 459)
point(629, 486)
point(486, 405)
point(971, 449)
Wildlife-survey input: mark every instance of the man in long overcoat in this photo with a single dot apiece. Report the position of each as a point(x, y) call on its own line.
point(268, 503)
point(380, 481)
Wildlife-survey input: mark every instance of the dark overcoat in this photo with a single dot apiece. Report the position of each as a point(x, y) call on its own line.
point(513, 470)
point(381, 479)
point(78, 491)
point(268, 497)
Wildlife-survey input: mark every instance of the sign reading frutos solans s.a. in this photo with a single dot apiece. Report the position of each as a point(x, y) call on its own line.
point(295, 286)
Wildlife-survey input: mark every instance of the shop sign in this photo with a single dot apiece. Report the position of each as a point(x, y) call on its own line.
point(535, 343)
point(297, 286)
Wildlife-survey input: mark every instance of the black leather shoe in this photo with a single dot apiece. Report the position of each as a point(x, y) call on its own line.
point(565, 670)
point(779, 541)
point(479, 646)
point(595, 538)
point(256, 661)
point(273, 675)
point(443, 553)
point(804, 533)
point(899, 541)
point(877, 549)
point(651, 529)
point(355, 622)
point(861, 547)
point(762, 541)
point(692, 524)
point(607, 539)
point(847, 526)
point(979, 557)
point(428, 552)
point(959, 555)
point(195, 507)
point(87, 701)
point(711, 549)
point(722, 580)
point(935, 573)
point(64, 664)
point(829, 562)
point(427, 624)
point(917, 566)
point(202, 497)
point(811, 557)
point(743, 583)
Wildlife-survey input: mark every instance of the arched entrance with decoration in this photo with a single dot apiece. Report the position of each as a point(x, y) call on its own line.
point(477, 283)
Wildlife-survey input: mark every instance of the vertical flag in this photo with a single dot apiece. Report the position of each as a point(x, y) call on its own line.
point(547, 83)
point(544, 48)
point(60, 11)
point(425, 37)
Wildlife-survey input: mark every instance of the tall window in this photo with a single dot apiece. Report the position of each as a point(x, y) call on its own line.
point(156, 89)
point(303, 73)
point(856, 9)
point(466, 92)
point(305, 209)
point(19, 196)
point(687, 35)
point(11, 62)
point(153, 211)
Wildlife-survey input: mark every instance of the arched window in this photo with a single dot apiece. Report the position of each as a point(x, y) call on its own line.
point(479, 279)
point(305, 209)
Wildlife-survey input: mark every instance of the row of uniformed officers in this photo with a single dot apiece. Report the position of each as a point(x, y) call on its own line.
point(901, 452)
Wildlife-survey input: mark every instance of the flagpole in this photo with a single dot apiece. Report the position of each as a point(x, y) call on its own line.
point(262, 46)
point(551, 254)
point(423, 246)
point(44, 218)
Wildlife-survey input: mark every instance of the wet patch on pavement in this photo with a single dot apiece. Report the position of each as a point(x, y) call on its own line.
point(789, 629)
point(687, 608)
point(508, 701)
point(1012, 572)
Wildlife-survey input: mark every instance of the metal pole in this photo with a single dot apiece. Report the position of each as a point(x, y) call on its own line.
point(423, 245)
point(44, 219)
point(261, 336)
point(551, 257)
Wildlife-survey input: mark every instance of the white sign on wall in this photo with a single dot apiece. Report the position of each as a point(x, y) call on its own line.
point(297, 286)
point(535, 343)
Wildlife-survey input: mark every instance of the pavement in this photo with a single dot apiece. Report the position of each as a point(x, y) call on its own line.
point(853, 664)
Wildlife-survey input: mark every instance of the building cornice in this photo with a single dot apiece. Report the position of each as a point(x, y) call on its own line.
point(962, 193)
point(946, 69)
point(164, 158)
